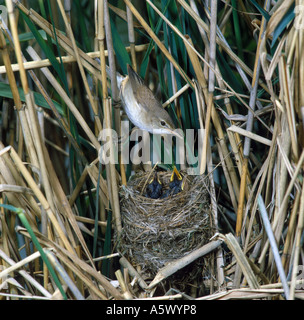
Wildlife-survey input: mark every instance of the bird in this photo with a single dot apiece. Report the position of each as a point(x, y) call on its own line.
point(176, 184)
point(154, 188)
point(141, 106)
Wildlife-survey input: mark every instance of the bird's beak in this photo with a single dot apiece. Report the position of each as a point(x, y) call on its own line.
point(177, 174)
point(177, 134)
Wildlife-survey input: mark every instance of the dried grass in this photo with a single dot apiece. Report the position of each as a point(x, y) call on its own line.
point(250, 103)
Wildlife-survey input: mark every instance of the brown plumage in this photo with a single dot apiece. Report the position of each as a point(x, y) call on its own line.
point(142, 107)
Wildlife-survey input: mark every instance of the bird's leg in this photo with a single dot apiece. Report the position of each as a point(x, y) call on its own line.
point(116, 104)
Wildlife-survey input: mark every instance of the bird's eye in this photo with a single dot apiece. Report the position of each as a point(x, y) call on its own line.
point(163, 123)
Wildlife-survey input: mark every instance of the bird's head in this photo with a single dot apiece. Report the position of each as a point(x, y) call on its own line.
point(162, 123)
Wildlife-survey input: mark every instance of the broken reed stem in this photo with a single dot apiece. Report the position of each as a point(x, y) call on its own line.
point(12, 81)
point(212, 48)
point(273, 245)
point(123, 285)
point(65, 209)
point(242, 260)
point(214, 208)
point(176, 95)
point(285, 77)
point(203, 84)
point(131, 36)
point(33, 137)
point(239, 220)
point(215, 118)
point(18, 53)
point(249, 126)
point(115, 89)
point(101, 43)
point(157, 40)
point(111, 58)
point(63, 275)
point(36, 133)
point(26, 276)
point(90, 221)
point(49, 76)
point(298, 247)
point(65, 59)
point(40, 197)
point(132, 272)
point(211, 78)
point(40, 153)
point(80, 268)
point(110, 167)
point(112, 182)
point(178, 264)
point(250, 135)
point(287, 251)
point(61, 120)
point(19, 264)
point(219, 41)
point(10, 75)
point(93, 102)
point(90, 64)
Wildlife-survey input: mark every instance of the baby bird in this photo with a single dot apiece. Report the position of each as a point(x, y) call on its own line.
point(154, 188)
point(176, 184)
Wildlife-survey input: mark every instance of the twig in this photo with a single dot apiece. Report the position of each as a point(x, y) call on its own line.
point(28, 277)
point(126, 264)
point(273, 245)
point(176, 265)
point(66, 99)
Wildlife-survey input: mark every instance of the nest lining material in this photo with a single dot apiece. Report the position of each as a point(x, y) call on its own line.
point(157, 231)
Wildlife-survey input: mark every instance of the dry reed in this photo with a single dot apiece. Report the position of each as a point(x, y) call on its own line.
point(252, 155)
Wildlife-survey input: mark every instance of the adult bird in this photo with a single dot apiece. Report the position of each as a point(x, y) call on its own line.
point(141, 106)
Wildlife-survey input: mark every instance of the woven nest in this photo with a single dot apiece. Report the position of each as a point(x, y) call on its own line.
point(157, 231)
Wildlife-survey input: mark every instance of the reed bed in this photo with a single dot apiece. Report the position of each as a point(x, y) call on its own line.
point(231, 68)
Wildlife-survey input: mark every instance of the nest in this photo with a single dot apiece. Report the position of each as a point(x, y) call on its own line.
point(157, 231)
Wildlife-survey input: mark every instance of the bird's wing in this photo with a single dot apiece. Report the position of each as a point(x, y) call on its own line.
point(143, 95)
point(135, 80)
point(146, 99)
